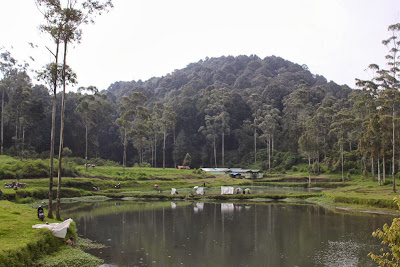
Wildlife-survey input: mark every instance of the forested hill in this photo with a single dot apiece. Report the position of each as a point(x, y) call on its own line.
point(258, 89)
point(227, 111)
point(272, 76)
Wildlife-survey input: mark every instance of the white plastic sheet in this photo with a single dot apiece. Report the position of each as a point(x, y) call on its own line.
point(200, 191)
point(57, 229)
point(226, 190)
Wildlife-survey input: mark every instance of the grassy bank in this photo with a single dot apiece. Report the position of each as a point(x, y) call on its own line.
point(139, 183)
point(20, 245)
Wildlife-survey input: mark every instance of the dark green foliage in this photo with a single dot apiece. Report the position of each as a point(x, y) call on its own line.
point(288, 95)
point(33, 168)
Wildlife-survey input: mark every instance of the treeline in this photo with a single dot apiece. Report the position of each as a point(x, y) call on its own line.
point(226, 111)
point(223, 112)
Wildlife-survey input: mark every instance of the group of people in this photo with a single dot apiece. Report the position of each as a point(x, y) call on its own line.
point(243, 191)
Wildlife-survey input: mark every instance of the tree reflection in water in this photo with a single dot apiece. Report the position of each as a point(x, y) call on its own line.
point(227, 234)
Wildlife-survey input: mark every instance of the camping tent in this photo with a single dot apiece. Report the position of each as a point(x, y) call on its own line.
point(200, 191)
point(226, 190)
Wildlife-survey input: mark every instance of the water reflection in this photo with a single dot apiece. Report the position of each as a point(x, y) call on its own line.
point(198, 207)
point(227, 234)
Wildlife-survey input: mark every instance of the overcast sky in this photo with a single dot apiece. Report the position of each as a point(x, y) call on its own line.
point(139, 39)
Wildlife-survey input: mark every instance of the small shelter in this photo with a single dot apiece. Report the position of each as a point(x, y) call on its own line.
point(200, 191)
point(226, 190)
point(235, 175)
point(174, 191)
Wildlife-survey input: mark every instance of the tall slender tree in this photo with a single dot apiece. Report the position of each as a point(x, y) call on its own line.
point(386, 81)
point(168, 122)
point(87, 110)
point(131, 113)
point(7, 63)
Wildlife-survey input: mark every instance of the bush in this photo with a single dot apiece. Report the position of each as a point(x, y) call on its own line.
point(34, 168)
point(390, 236)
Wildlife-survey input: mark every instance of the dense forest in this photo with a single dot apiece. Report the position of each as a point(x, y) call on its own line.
point(228, 111)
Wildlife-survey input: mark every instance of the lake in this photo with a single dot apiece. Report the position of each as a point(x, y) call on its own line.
point(226, 234)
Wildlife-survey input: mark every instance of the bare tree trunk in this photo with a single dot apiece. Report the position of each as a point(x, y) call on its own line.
point(23, 142)
point(152, 152)
point(372, 169)
point(165, 137)
point(53, 133)
point(2, 122)
point(269, 154)
point(175, 165)
point(215, 153)
point(223, 150)
point(255, 146)
point(393, 148)
point(58, 216)
point(86, 144)
point(155, 150)
point(124, 154)
point(342, 157)
point(379, 171)
point(52, 141)
point(384, 168)
point(309, 169)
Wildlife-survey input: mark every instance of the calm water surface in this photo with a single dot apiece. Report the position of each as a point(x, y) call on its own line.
point(226, 234)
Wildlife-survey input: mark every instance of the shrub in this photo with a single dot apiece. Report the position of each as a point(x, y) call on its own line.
point(390, 236)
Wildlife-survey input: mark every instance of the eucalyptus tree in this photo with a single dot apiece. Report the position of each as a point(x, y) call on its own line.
point(342, 124)
point(308, 144)
point(87, 111)
point(20, 88)
point(140, 131)
point(131, 111)
point(72, 15)
point(7, 63)
point(297, 109)
point(52, 73)
point(384, 137)
point(168, 122)
point(210, 109)
point(223, 97)
point(214, 102)
point(181, 146)
point(386, 82)
point(257, 113)
point(269, 127)
point(154, 127)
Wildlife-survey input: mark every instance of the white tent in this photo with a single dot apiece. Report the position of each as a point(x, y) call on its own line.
point(226, 190)
point(200, 191)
